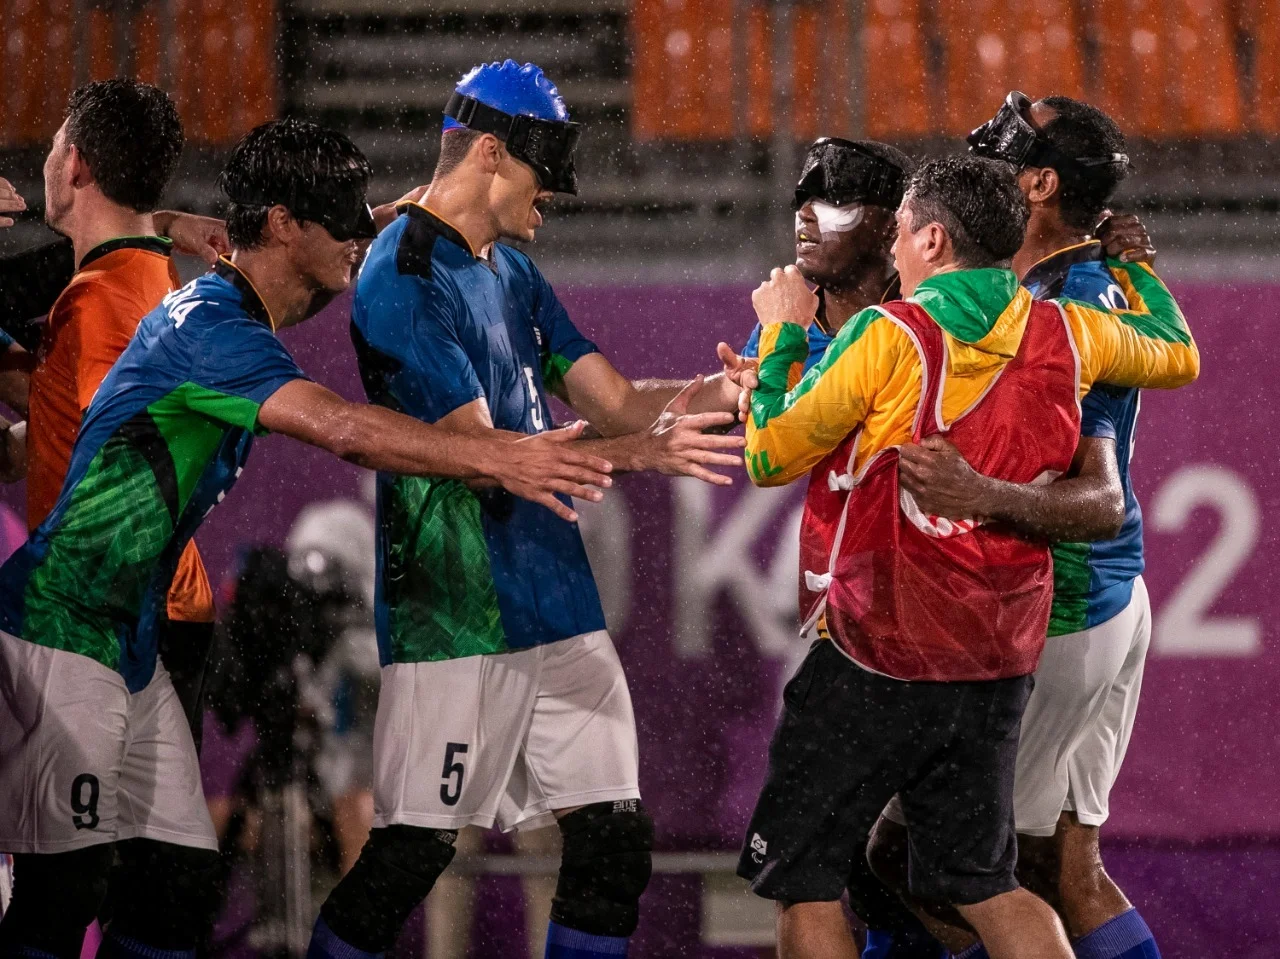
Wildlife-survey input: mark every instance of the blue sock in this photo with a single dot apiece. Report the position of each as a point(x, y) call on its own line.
point(566, 943)
point(912, 944)
point(126, 947)
point(976, 951)
point(326, 944)
point(1124, 937)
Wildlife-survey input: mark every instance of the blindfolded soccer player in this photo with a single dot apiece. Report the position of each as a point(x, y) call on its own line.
point(96, 749)
point(502, 698)
point(1070, 159)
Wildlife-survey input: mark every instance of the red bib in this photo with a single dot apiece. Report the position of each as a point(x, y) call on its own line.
point(920, 597)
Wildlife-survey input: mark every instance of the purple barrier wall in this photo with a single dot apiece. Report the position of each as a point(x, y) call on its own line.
point(699, 583)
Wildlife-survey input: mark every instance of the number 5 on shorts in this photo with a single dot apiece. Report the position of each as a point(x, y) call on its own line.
point(450, 789)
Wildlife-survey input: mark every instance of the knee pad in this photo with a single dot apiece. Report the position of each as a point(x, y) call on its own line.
point(55, 897)
point(162, 895)
point(604, 868)
point(396, 869)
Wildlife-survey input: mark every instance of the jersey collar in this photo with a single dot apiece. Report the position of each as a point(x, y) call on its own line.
point(161, 245)
point(439, 225)
point(250, 301)
point(1054, 267)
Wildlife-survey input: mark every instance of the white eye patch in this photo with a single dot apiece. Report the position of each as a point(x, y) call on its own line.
point(835, 219)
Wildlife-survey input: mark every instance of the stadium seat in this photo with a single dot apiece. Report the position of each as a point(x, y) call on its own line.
point(683, 70)
point(25, 62)
point(895, 102)
point(1260, 20)
point(237, 88)
point(1168, 68)
point(994, 46)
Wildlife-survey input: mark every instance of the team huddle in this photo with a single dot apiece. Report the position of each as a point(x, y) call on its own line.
point(961, 390)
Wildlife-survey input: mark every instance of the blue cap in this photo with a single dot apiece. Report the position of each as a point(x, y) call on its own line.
point(513, 89)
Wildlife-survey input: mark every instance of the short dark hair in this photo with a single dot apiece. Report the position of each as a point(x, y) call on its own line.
point(978, 203)
point(1082, 130)
point(454, 146)
point(130, 135)
point(285, 158)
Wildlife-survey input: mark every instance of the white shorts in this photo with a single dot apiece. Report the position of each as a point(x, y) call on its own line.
point(1078, 721)
point(83, 761)
point(505, 738)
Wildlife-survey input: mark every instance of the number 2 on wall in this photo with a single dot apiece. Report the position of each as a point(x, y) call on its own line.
point(1183, 626)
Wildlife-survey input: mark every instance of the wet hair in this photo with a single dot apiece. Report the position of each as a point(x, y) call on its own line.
point(1081, 130)
point(291, 162)
point(454, 146)
point(978, 203)
point(130, 135)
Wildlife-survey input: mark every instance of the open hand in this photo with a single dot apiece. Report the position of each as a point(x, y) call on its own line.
point(538, 467)
point(940, 480)
point(1124, 237)
point(11, 201)
point(675, 444)
point(785, 298)
point(202, 236)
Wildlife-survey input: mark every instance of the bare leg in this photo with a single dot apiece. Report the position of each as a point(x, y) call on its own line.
point(352, 820)
point(538, 890)
point(1018, 925)
point(1088, 895)
point(814, 930)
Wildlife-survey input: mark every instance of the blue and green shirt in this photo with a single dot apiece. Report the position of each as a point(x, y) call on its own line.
point(465, 572)
point(1092, 582)
point(165, 438)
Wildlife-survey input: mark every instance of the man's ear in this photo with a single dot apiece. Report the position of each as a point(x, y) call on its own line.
point(281, 226)
point(490, 152)
point(935, 244)
point(1044, 184)
point(78, 171)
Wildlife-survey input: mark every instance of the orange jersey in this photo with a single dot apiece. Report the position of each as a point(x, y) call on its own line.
point(118, 283)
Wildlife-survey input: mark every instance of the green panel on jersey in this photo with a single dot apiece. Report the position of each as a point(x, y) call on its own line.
point(235, 410)
point(115, 525)
point(1071, 576)
point(438, 588)
point(191, 440)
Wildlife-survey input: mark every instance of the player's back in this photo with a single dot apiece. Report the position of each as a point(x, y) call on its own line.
point(162, 442)
point(465, 572)
point(1094, 581)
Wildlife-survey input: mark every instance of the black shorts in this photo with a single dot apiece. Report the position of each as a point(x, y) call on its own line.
point(848, 740)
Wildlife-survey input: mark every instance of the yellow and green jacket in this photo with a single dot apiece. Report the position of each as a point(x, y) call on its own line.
point(870, 377)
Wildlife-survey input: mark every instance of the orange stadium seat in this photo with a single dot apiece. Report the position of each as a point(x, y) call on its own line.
point(1260, 19)
point(25, 112)
point(1168, 68)
point(994, 46)
point(683, 69)
point(894, 77)
point(236, 87)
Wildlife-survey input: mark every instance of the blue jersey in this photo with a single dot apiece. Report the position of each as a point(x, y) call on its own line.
point(1094, 581)
point(464, 572)
point(162, 442)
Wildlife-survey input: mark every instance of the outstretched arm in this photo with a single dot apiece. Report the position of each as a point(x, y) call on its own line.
point(1086, 504)
point(615, 405)
point(534, 468)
